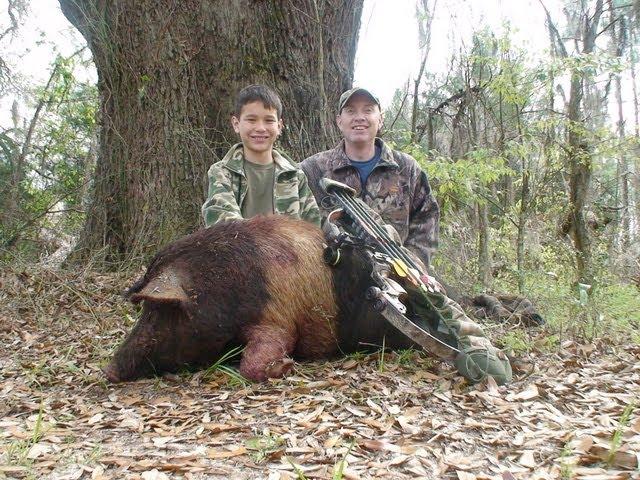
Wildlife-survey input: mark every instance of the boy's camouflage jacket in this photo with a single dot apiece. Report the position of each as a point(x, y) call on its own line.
point(397, 189)
point(228, 187)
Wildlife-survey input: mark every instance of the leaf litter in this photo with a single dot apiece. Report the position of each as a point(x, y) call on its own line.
point(572, 414)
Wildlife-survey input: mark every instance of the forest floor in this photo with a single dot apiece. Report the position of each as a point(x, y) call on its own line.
point(568, 414)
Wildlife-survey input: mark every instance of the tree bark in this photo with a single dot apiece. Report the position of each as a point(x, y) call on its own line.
point(484, 260)
point(634, 84)
point(168, 71)
point(425, 35)
point(522, 225)
point(580, 170)
point(635, 178)
point(623, 171)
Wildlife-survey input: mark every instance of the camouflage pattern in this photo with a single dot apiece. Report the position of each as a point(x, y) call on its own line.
point(346, 96)
point(476, 358)
point(228, 187)
point(396, 188)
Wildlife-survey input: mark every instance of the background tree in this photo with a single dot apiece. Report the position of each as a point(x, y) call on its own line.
point(550, 123)
point(168, 72)
point(425, 11)
point(585, 25)
point(46, 160)
point(16, 10)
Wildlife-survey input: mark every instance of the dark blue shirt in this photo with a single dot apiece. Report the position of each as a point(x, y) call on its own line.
point(365, 168)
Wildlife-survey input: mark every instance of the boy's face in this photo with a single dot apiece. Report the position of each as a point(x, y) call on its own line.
point(360, 119)
point(257, 126)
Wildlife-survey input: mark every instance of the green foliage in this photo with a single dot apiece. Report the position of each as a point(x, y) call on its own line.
point(616, 440)
point(235, 378)
point(463, 181)
point(17, 452)
point(381, 356)
point(338, 470)
point(517, 342)
point(407, 357)
point(263, 446)
point(610, 312)
point(9, 149)
point(501, 125)
point(566, 465)
point(65, 135)
point(57, 160)
point(299, 473)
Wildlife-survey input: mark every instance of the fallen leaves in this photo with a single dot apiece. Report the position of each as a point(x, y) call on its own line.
point(234, 451)
point(529, 393)
point(412, 420)
point(527, 459)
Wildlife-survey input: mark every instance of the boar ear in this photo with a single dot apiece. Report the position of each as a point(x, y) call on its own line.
point(163, 288)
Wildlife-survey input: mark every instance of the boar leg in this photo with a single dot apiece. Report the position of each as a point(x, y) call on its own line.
point(266, 354)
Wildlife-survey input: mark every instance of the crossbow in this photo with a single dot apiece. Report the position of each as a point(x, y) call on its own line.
point(394, 268)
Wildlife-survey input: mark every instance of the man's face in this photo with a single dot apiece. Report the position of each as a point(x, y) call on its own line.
point(360, 119)
point(258, 127)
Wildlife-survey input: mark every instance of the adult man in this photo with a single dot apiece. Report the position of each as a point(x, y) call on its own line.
point(392, 184)
point(389, 181)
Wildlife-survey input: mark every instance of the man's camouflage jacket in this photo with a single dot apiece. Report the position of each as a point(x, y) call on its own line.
point(397, 189)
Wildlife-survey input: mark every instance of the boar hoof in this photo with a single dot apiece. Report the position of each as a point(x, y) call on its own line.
point(110, 373)
point(278, 368)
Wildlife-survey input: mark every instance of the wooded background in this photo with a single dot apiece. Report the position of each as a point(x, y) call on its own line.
point(534, 161)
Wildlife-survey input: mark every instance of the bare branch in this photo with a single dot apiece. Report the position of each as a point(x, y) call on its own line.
point(554, 31)
point(399, 112)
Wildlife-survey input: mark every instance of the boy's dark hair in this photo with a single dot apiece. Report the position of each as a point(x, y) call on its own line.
point(258, 93)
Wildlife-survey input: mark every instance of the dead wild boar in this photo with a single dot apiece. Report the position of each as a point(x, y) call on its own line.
point(261, 283)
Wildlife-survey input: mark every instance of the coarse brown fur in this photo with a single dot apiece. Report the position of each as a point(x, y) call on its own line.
point(259, 282)
point(300, 317)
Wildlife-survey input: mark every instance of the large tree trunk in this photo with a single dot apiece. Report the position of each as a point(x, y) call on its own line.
point(168, 72)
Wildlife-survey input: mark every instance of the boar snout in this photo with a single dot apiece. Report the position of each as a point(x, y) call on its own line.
point(111, 373)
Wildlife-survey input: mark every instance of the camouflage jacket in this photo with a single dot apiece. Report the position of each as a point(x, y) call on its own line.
point(228, 187)
point(397, 188)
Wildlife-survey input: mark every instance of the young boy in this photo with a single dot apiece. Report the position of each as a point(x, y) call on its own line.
point(253, 178)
